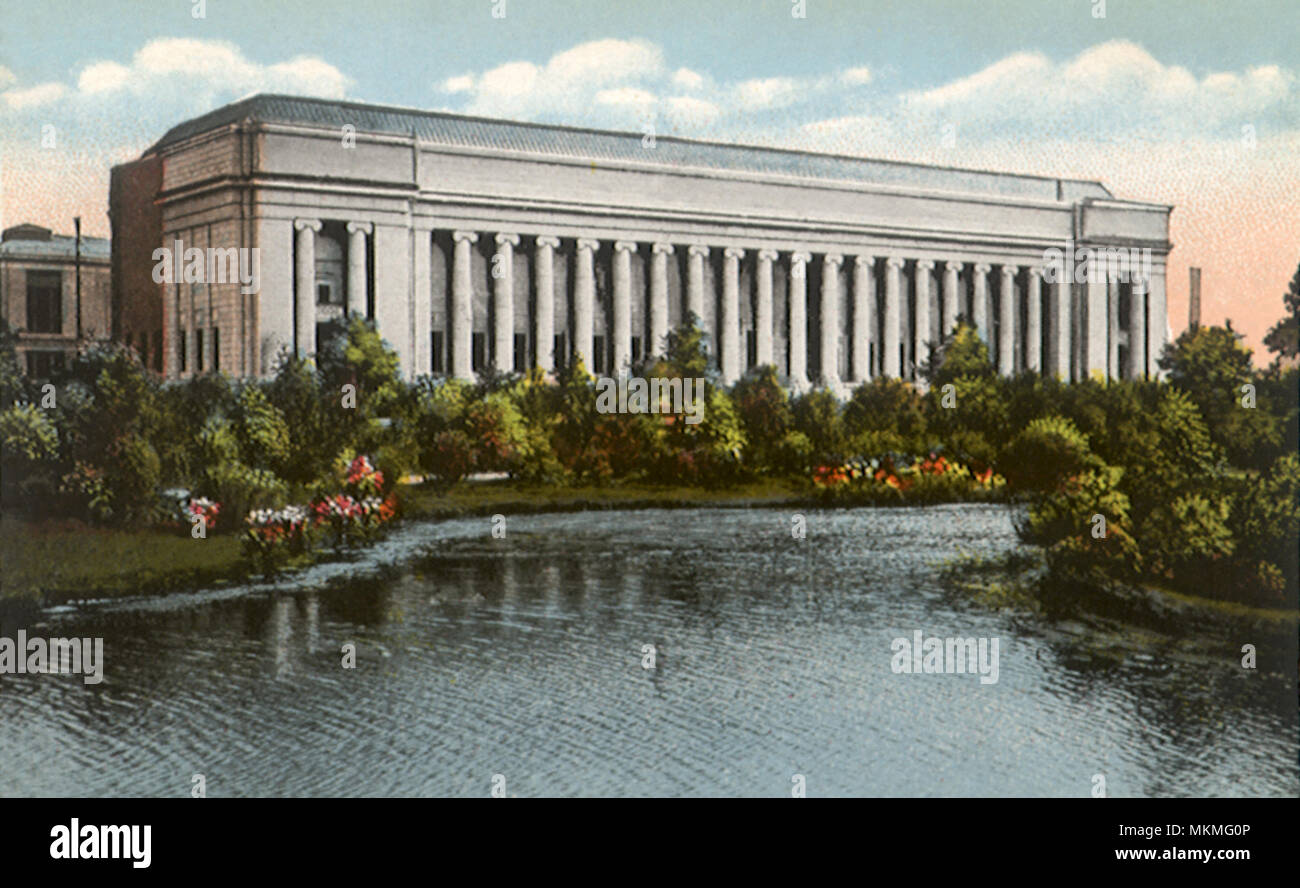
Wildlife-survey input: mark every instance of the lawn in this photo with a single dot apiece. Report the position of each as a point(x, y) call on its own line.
point(57, 561)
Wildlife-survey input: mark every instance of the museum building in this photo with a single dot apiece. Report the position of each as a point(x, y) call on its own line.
point(476, 243)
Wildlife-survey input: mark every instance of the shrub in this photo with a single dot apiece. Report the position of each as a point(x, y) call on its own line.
point(764, 410)
point(1045, 453)
point(448, 458)
point(1265, 519)
point(817, 417)
point(261, 431)
point(132, 478)
point(29, 450)
point(242, 489)
point(1063, 521)
point(885, 405)
point(1183, 539)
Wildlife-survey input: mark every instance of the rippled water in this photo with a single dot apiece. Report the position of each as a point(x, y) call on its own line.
point(522, 657)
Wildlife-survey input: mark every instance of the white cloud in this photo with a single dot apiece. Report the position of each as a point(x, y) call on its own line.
point(685, 78)
point(6, 77)
point(1116, 90)
point(34, 96)
point(203, 72)
point(856, 76)
point(691, 113)
point(625, 96)
point(464, 83)
point(622, 82)
point(764, 94)
point(599, 72)
point(103, 77)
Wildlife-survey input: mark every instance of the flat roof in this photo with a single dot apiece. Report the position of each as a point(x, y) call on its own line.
point(461, 131)
point(59, 246)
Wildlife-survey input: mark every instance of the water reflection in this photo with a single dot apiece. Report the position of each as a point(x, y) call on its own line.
point(522, 656)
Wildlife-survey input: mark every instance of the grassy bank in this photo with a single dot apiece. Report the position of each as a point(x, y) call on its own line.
point(56, 561)
point(52, 562)
point(508, 497)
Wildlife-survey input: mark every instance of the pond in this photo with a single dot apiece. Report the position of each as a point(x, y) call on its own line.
point(523, 660)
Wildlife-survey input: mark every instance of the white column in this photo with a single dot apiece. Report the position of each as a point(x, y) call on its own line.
point(730, 321)
point(763, 310)
point(924, 278)
point(419, 359)
point(864, 297)
point(1137, 333)
point(584, 297)
point(980, 310)
point(695, 282)
point(462, 306)
point(544, 322)
point(890, 360)
point(305, 292)
point(1034, 320)
point(951, 296)
point(831, 263)
point(799, 321)
point(658, 298)
point(1097, 295)
point(1007, 322)
point(357, 232)
point(503, 327)
point(1156, 322)
point(621, 334)
point(1060, 328)
point(1112, 330)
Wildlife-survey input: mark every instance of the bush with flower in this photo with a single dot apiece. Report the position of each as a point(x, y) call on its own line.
point(272, 535)
point(200, 506)
point(902, 478)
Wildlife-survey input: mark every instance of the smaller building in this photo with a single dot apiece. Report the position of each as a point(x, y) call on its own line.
point(39, 273)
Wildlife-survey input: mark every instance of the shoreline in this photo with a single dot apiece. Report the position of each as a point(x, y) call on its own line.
point(136, 555)
point(117, 563)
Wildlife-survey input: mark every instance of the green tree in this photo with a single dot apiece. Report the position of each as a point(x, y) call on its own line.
point(13, 385)
point(962, 353)
point(1211, 365)
point(1284, 337)
point(764, 410)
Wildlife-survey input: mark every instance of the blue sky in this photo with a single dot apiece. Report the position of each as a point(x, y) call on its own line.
point(1194, 104)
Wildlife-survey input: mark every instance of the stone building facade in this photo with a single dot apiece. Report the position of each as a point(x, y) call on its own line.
point(39, 273)
point(476, 243)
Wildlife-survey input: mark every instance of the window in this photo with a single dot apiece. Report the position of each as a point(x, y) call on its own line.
point(597, 355)
point(561, 354)
point(436, 349)
point(216, 348)
point(182, 346)
point(478, 352)
point(521, 352)
point(751, 348)
point(44, 364)
point(198, 350)
point(324, 294)
point(45, 302)
point(636, 349)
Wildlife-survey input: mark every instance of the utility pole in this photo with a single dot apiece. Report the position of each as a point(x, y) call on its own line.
point(77, 224)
